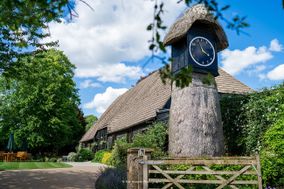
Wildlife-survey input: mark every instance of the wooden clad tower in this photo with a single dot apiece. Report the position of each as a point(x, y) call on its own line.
point(195, 126)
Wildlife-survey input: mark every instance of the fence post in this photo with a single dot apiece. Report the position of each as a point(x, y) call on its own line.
point(258, 172)
point(135, 170)
point(145, 172)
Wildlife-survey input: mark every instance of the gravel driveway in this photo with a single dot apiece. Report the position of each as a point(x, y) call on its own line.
point(80, 176)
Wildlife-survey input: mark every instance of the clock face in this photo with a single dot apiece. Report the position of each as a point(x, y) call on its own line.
point(202, 51)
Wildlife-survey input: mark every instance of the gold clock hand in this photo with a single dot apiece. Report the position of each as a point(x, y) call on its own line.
point(203, 50)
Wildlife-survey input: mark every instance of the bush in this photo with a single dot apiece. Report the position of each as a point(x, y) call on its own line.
point(71, 156)
point(119, 153)
point(84, 154)
point(53, 159)
point(106, 158)
point(272, 155)
point(233, 119)
point(254, 123)
point(155, 137)
point(112, 178)
point(46, 159)
point(262, 111)
point(99, 156)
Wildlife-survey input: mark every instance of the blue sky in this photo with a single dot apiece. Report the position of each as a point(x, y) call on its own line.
point(109, 46)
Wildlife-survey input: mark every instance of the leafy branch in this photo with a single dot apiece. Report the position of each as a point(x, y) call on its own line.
point(156, 44)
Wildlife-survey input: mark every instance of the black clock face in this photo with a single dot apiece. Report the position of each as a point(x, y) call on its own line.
point(202, 51)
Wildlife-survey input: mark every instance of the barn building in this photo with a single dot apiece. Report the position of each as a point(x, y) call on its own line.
point(148, 101)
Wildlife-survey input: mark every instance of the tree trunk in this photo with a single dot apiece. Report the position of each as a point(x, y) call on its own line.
point(195, 127)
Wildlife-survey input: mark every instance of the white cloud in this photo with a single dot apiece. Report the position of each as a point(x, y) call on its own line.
point(101, 101)
point(114, 32)
point(234, 61)
point(277, 73)
point(256, 69)
point(275, 46)
point(88, 83)
point(260, 68)
point(262, 76)
point(114, 73)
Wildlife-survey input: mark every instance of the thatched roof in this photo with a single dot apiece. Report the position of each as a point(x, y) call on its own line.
point(142, 102)
point(197, 13)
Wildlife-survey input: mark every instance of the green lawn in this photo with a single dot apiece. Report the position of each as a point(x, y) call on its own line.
point(31, 165)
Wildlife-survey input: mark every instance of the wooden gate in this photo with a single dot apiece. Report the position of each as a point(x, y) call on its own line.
point(229, 172)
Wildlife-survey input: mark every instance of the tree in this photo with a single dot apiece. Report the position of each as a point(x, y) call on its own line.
point(39, 102)
point(22, 25)
point(90, 121)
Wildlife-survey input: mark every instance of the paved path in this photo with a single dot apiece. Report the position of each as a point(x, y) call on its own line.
point(80, 176)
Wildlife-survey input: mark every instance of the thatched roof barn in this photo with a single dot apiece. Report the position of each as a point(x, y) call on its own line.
point(144, 103)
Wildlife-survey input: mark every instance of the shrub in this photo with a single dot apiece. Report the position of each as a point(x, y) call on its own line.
point(106, 158)
point(119, 153)
point(71, 156)
point(254, 123)
point(233, 119)
point(99, 156)
point(84, 154)
point(272, 155)
point(155, 137)
point(261, 112)
point(112, 178)
point(53, 159)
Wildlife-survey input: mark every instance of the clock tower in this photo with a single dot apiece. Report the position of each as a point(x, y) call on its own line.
point(195, 125)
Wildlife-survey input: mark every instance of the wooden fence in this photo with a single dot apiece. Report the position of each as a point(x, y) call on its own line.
point(143, 172)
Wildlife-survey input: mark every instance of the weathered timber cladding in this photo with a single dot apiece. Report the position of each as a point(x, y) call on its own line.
point(195, 126)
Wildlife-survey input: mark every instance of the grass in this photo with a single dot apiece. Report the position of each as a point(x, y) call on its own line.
point(32, 165)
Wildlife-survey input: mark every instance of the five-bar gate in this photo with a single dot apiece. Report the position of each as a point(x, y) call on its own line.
point(229, 172)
